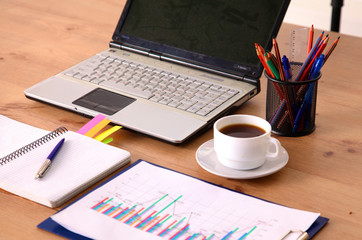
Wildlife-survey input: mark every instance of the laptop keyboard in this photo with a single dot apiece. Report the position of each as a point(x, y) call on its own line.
point(157, 85)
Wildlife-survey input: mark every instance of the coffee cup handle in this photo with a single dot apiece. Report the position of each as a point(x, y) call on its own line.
point(278, 147)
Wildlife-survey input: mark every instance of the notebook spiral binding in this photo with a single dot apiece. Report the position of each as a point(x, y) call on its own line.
point(32, 145)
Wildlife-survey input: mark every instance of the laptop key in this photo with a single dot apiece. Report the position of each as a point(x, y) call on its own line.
point(183, 106)
point(165, 101)
point(174, 103)
point(193, 109)
point(180, 92)
point(202, 112)
point(127, 89)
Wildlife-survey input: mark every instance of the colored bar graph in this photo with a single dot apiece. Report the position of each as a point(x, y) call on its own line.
point(119, 215)
point(133, 217)
point(98, 204)
point(151, 222)
point(112, 210)
point(193, 236)
point(102, 204)
point(211, 237)
point(227, 236)
point(167, 229)
point(246, 234)
point(161, 221)
point(180, 232)
point(146, 220)
point(169, 205)
point(126, 214)
point(158, 223)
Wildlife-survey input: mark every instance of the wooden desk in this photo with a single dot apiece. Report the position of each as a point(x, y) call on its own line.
point(41, 38)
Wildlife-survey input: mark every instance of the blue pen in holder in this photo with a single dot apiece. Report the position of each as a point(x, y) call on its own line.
point(301, 98)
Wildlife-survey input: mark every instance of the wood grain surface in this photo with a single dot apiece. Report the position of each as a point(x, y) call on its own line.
point(324, 174)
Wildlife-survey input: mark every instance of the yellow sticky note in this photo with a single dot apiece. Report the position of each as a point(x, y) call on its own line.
point(106, 133)
point(93, 131)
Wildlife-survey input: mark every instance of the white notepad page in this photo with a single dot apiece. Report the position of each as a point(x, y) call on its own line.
point(80, 162)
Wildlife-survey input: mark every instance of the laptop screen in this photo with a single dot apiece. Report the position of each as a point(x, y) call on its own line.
point(216, 34)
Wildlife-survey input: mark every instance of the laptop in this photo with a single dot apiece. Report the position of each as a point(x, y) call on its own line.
point(173, 67)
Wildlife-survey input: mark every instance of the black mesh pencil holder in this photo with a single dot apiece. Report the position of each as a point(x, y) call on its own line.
point(291, 106)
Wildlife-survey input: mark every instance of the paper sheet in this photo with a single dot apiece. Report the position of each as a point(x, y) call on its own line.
point(150, 202)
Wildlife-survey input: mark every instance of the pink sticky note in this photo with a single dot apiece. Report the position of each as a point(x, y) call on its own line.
point(89, 125)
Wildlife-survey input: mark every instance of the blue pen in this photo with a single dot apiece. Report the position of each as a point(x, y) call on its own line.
point(318, 65)
point(48, 161)
point(300, 113)
point(287, 68)
point(307, 101)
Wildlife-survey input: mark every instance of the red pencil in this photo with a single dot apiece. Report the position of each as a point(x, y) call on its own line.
point(289, 100)
point(318, 53)
point(279, 60)
point(310, 55)
point(330, 50)
point(310, 40)
point(259, 52)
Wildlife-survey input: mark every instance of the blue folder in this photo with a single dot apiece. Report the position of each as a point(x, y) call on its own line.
point(52, 226)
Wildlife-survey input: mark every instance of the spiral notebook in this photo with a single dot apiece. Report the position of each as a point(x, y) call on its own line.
point(81, 162)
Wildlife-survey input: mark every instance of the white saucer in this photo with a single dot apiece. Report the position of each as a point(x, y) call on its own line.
point(207, 159)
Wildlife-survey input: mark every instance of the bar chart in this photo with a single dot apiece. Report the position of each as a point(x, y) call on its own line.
point(150, 202)
point(160, 208)
point(158, 221)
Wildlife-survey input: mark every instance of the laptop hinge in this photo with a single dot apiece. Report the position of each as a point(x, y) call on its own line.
point(150, 53)
point(114, 45)
point(123, 47)
point(202, 68)
point(154, 55)
point(168, 59)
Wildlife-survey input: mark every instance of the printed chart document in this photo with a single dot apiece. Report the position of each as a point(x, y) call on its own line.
point(151, 202)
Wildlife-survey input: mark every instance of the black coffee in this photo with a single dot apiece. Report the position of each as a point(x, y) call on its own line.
point(242, 130)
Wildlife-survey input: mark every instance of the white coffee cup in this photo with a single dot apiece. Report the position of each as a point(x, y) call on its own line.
point(244, 153)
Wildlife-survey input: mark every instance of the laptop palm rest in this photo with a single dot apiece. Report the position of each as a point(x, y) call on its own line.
point(134, 114)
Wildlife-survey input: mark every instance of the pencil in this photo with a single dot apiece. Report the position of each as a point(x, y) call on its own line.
point(276, 75)
point(261, 49)
point(330, 50)
point(310, 39)
point(288, 98)
point(272, 67)
point(259, 53)
point(280, 108)
point(316, 55)
point(279, 60)
point(273, 58)
point(310, 55)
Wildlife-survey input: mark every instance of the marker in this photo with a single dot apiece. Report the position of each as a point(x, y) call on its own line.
point(272, 67)
point(287, 68)
point(306, 104)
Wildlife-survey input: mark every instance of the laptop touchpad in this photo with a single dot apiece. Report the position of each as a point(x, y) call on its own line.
point(104, 101)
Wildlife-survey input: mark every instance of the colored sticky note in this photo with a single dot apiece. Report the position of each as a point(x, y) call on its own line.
point(88, 126)
point(107, 140)
point(92, 132)
point(106, 133)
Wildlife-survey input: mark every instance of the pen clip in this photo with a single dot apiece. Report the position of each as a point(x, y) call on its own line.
point(302, 236)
